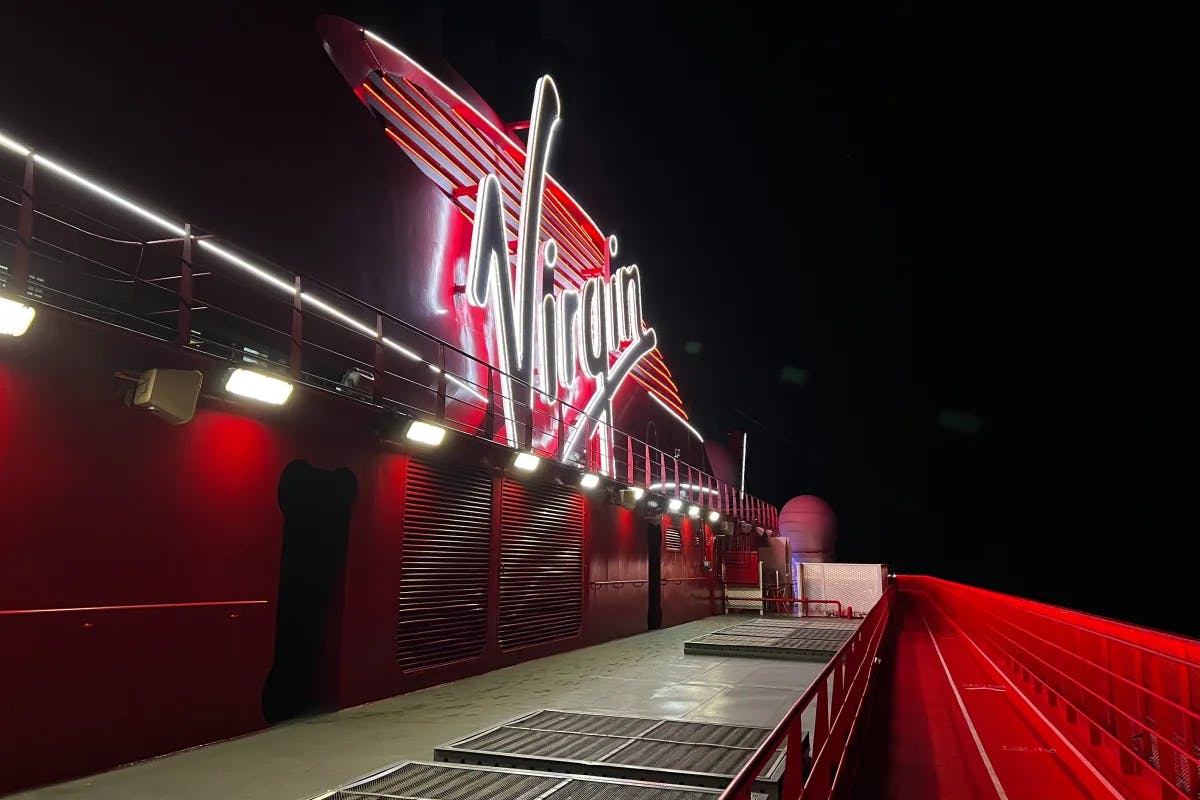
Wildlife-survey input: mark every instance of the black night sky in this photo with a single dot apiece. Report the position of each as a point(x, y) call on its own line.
point(880, 238)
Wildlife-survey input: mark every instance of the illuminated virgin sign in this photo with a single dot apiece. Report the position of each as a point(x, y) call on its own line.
point(596, 334)
point(530, 283)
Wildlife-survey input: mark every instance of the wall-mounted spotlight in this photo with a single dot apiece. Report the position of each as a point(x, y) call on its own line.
point(425, 433)
point(714, 517)
point(694, 512)
point(526, 461)
point(15, 317)
point(590, 480)
point(674, 505)
point(170, 394)
point(257, 386)
point(628, 498)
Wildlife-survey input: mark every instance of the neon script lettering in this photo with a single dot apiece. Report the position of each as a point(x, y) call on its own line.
point(575, 329)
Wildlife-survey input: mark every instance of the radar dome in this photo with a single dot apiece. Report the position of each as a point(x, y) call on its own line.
point(808, 522)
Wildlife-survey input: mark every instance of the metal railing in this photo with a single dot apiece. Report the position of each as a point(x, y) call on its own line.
point(61, 246)
point(836, 698)
point(1126, 697)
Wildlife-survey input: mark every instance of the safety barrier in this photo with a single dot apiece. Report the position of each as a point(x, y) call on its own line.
point(838, 693)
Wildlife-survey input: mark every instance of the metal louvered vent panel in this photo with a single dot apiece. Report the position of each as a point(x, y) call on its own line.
point(586, 723)
point(549, 744)
point(541, 557)
point(674, 755)
point(416, 780)
point(673, 539)
point(439, 782)
point(445, 564)
point(710, 733)
point(594, 790)
point(645, 749)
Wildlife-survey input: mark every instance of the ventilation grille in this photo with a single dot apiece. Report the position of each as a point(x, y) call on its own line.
point(673, 539)
point(445, 565)
point(667, 751)
point(414, 780)
point(541, 557)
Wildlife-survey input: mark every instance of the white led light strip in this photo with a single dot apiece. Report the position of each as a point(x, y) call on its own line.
point(248, 267)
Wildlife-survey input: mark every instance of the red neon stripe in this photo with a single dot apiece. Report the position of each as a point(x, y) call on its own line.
point(661, 371)
point(672, 398)
point(400, 140)
point(205, 604)
point(572, 250)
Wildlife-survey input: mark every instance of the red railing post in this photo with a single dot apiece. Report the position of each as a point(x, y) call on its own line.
point(18, 278)
point(649, 473)
point(629, 471)
point(377, 384)
point(294, 360)
point(183, 318)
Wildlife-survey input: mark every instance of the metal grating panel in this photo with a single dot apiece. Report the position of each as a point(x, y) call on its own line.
point(670, 751)
point(416, 780)
point(673, 540)
point(541, 564)
point(802, 638)
point(445, 565)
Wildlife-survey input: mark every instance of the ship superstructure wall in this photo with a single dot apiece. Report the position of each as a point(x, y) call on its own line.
point(140, 577)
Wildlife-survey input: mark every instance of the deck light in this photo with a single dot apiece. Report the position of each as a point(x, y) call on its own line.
point(714, 516)
point(589, 481)
point(15, 317)
point(425, 433)
point(526, 461)
point(637, 492)
point(694, 512)
point(257, 386)
point(674, 505)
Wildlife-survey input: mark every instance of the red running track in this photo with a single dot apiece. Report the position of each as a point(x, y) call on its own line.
point(948, 725)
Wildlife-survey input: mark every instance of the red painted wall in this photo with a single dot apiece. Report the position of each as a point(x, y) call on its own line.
point(168, 538)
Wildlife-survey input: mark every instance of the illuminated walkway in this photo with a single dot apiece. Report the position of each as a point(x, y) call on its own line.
point(647, 674)
point(949, 727)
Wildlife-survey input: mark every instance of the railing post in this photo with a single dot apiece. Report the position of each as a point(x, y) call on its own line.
point(377, 384)
point(489, 413)
point(793, 770)
point(18, 278)
point(297, 330)
point(629, 470)
point(441, 383)
point(183, 319)
point(528, 424)
point(647, 470)
point(562, 431)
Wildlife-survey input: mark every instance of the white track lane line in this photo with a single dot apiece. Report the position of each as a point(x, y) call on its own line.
point(963, 708)
point(1061, 737)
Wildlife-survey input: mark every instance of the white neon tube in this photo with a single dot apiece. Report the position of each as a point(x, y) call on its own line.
point(671, 411)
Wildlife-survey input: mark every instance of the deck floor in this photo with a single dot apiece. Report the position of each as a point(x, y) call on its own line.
point(647, 674)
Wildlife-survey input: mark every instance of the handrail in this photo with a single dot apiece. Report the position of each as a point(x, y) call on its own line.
point(797, 600)
point(851, 669)
point(643, 463)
